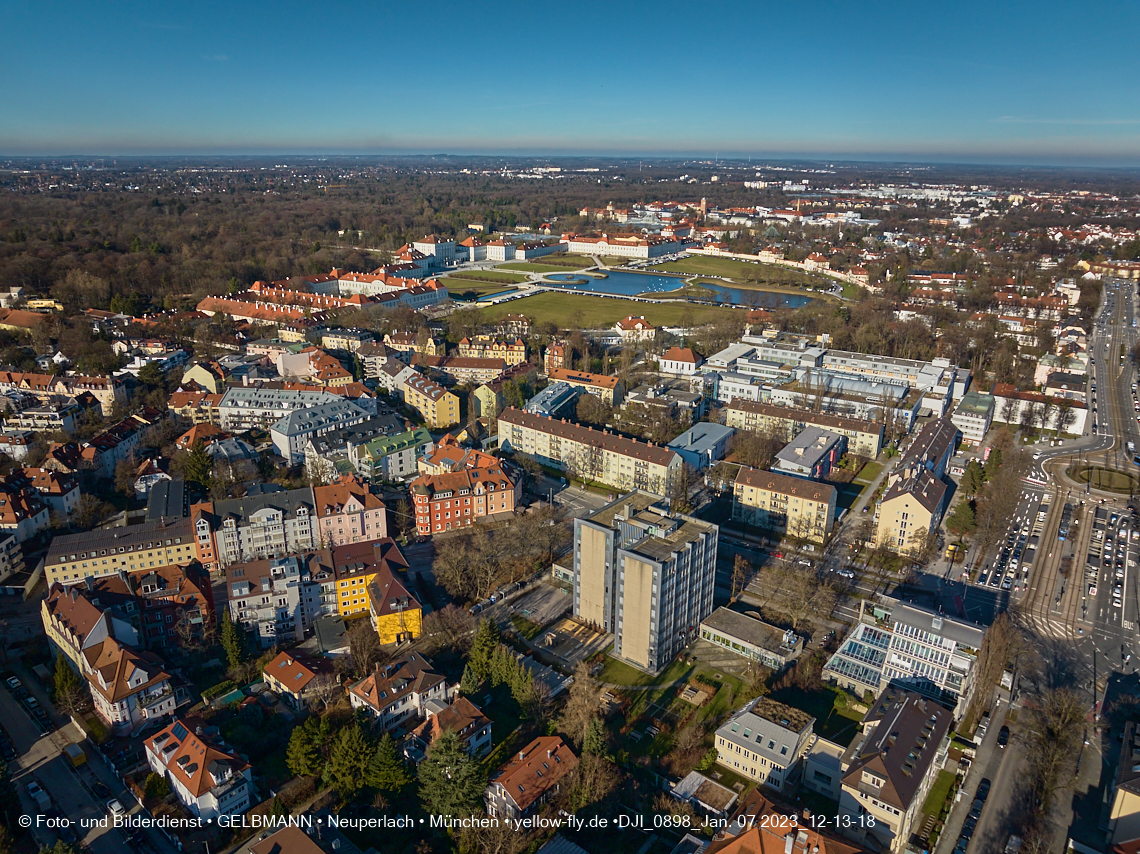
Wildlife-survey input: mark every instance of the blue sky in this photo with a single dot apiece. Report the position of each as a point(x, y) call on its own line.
point(999, 82)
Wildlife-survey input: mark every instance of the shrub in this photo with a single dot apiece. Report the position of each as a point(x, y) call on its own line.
point(218, 690)
point(156, 786)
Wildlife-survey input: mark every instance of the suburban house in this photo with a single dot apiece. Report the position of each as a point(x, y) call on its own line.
point(399, 691)
point(529, 779)
point(208, 780)
point(297, 676)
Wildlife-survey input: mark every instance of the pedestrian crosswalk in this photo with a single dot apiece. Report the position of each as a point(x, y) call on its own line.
point(1048, 627)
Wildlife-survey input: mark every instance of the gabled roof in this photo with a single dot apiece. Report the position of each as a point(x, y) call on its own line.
point(461, 717)
point(190, 760)
point(411, 674)
point(535, 770)
point(786, 484)
point(332, 500)
point(113, 667)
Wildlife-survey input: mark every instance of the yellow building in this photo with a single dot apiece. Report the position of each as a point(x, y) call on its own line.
point(209, 375)
point(40, 304)
point(368, 584)
point(396, 614)
point(608, 389)
point(784, 504)
point(864, 438)
point(438, 407)
point(1124, 818)
point(910, 509)
point(73, 557)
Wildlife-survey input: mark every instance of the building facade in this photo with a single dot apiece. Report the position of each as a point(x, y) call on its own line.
point(645, 575)
point(784, 505)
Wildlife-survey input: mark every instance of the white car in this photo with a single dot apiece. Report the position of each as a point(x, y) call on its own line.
point(1037, 456)
point(115, 808)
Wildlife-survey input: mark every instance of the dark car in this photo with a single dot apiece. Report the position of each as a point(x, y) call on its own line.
point(968, 828)
point(1003, 736)
point(984, 788)
point(976, 808)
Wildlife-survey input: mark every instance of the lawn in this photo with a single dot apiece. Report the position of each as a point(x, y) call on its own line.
point(620, 673)
point(869, 472)
point(833, 721)
point(569, 262)
point(488, 276)
point(465, 289)
point(743, 272)
point(530, 267)
point(597, 312)
point(527, 628)
point(939, 792)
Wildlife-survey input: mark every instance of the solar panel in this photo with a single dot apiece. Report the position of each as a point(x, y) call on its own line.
point(180, 732)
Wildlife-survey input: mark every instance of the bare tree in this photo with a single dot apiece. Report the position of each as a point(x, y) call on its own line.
point(581, 705)
point(325, 690)
point(364, 648)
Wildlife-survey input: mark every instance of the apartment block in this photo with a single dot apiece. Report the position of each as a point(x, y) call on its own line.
point(645, 575)
point(608, 389)
point(889, 769)
point(269, 523)
point(73, 557)
point(864, 438)
point(784, 505)
point(765, 741)
point(589, 454)
point(438, 407)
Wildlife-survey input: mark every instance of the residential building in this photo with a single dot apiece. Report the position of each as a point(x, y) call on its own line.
point(395, 613)
point(129, 689)
point(292, 432)
point(645, 575)
point(518, 788)
point(635, 328)
point(930, 450)
point(864, 438)
point(910, 511)
point(198, 407)
point(973, 417)
point(60, 388)
point(461, 717)
point(296, 676)
point(558, 355)
point(348, 511)
point(267, 597)
point(269, 523)
point(391, 457)
point(608, 389)
point(812, 454)
point(242, 409)
point(888, 771)
point(461, 370)
point(765, 741)
point(392, 375)
point(703, 444)
point(209, 781)
point(784, 505)
point(74, 623)
point(16, 444)
point(73, 557)
point(594, 455)
point(680, 361)
point(412, 342)
point(11, 558)
point(59, 491)
point(398, 692)
point(372, 356)
point(438, 407)
point(488, 347)
point(675, 401)
point(760, 827)
point(457, 499)
point(1124, 812)
point(60, 418)
point(345, 340)
point(556, 400)
point(356, 566)
point(911, 647)
point(752, 638)
point(165, 606)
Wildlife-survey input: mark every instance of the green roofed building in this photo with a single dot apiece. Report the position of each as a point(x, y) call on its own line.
point(391, 457)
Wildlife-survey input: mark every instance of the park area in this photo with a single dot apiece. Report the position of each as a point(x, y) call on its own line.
point(562, 309)
point(743, 272)
point(1110, 480)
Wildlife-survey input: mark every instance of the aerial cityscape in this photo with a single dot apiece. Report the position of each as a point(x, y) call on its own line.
point(398, 456)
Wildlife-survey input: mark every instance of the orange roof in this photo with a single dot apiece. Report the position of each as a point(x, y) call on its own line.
point(581, 378)
point(680, 354)
point(73, 611)
point(292, 672)
point(204, 432)
point(115, 670)
point(462, 717)
point(195, 764)
point(634, 322)
point(349, 494)
point(537, 767)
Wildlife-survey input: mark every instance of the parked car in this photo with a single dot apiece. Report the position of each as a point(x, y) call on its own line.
point(1003, 736)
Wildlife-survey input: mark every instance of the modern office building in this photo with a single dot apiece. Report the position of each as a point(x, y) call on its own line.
point(645, 575)
point(911, 647)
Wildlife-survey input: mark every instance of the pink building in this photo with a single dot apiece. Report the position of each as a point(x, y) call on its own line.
point(348, 512)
